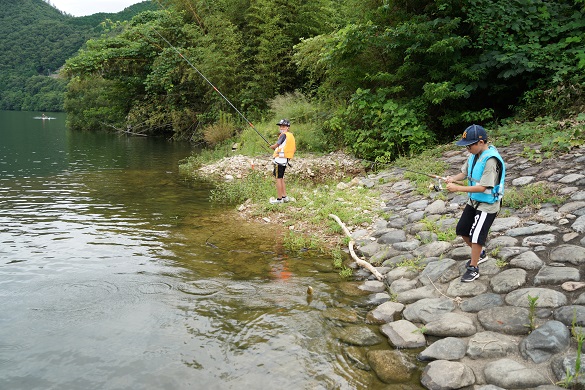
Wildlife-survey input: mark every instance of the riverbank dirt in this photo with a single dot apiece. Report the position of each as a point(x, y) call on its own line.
point(334, 167)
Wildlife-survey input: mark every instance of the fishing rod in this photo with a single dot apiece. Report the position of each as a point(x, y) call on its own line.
point(437, 188)
point(210, 83)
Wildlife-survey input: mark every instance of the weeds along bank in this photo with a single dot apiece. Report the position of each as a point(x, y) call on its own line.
point(337, 183)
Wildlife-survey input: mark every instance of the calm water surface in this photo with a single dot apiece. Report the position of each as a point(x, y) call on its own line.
point(117, 273)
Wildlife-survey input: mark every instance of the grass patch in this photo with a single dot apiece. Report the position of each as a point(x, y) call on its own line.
point(531, 196)
point(437, 228)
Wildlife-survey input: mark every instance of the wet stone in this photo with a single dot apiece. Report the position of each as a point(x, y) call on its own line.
point(448, 348)
point(390, 366)
point(403, 334)
point(359, 336)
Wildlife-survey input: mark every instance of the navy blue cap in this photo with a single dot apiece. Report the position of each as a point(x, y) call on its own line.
point(472, 135)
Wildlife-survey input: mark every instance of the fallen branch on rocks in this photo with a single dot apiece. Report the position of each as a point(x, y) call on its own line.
point(360, 262)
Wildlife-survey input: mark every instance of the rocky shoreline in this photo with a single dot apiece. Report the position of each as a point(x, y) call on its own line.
point(511, 328)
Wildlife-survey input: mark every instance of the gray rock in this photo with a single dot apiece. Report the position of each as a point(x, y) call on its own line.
point(481, 302)
point(566, 364)
point(448, 348)
point(403, 284)
point(399, 273)
point(556, 275)
point(391, 366)
point(418, 205)
point(432, 249)
point(359, 336)
point(501, 241)
point(392, 237)
point(451, 324)
point(531, 230)
point(457, 288)
point(522, 181)
point(511, 251)
point(571, 178)
point(546, 297)
point(543, 239)
point(417, 294)
point(373, 286)
point(444, 375)
point(572, 207)
point(545, 341)
point(403, 334)
point(507, 319)
point(384, 313)
point(406, 245)
point(567, 253)
point(579, 224)
point(510, 374)
point(437, 207)
point(569, 314)
point(502, 224)
point(527, 260)
point(508, 280)
point(491, 345)
point(440, 271)
point(428, 309)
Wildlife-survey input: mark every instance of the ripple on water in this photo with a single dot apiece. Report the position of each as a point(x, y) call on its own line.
point(154, 288)
point(71, 297)
point(201, 287)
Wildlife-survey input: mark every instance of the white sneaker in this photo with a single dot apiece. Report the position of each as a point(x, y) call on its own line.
point(275, 201)
point(285, 199)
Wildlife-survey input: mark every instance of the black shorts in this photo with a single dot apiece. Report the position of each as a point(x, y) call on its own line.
point(475, 224)
point(278, 171)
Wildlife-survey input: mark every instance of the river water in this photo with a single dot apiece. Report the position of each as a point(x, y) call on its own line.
point(117, 273)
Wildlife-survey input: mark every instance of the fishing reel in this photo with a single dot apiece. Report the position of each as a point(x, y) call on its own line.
point(436, 186)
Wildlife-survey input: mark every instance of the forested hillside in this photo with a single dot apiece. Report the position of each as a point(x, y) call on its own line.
point(35, 41)
point(383, 78)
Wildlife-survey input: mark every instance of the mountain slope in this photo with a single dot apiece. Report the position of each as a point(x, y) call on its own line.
point(35, 41)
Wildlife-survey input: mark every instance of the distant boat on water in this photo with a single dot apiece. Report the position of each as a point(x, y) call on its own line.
point(43, 117)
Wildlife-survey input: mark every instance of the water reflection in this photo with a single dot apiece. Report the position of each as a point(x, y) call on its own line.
point(116, 273)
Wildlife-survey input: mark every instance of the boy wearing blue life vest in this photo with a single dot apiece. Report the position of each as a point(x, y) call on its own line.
point(284, 150)
point(485, 172)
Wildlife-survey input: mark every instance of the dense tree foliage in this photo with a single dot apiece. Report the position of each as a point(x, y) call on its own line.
point(36, 41)
point(392, 75)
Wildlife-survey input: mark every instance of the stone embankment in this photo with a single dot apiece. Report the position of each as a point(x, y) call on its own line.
point(510, 329)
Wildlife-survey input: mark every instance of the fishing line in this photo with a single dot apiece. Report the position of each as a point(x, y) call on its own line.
point(210, 83)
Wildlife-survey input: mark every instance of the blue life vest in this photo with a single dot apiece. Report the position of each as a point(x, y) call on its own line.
point(491, 195)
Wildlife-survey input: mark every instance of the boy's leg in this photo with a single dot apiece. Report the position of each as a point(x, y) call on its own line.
point(473, 227)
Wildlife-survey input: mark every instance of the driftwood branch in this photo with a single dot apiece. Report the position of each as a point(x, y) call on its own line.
point(360, 262)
